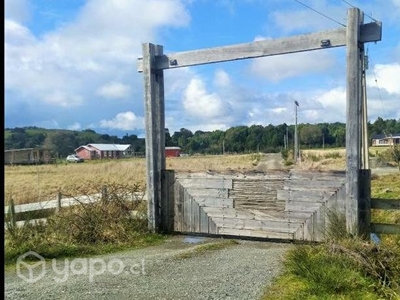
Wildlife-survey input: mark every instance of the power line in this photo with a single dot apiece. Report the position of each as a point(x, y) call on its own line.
point(379, 93)
point(355, 7)
point(320, 13)
point(377, 86)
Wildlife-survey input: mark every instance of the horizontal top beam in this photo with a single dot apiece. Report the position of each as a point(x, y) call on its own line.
point(314, 41)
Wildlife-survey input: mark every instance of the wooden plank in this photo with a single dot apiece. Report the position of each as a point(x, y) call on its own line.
point(188, 211)
point(256, 224)
point(300, 43)
point(212, 228)
point(178, 219)
point(311, 195)
point(227, 212)
point(341, 200)
point(306, 231)
point(312, 184)
point(385, 203)
point(214, 193)
point(290, 216)
point(317, 174)
point(22, 223)
point(203, 221)
point(385, 228)
point(215, 202)
point(206, 183)
point(52, 204)
point(319, 230)
point(302, 206)
point(353, 115)
point(257, 233)
point(195, 216)
point(167, 203)
point(309, 233)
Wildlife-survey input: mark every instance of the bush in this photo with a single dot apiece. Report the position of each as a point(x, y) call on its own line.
point(343, 267)
point(103, 225)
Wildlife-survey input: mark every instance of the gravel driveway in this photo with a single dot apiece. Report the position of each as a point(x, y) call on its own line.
point(238, 271)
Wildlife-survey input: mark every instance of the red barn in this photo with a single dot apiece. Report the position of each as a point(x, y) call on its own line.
point(172, 151)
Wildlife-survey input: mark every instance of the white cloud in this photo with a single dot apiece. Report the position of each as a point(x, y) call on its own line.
point(333, 101)
point(207, 126)
point(75, 126)
point(276, 68)
point(114, 90)
point(17, 10)
point(387, 77)
point(75, 61)
point(124, 121)
point(221, 79)
point(63, 99)
point(197, 102)
point(16, 34)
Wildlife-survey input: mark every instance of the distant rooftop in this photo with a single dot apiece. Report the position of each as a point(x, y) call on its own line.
point(110, 147)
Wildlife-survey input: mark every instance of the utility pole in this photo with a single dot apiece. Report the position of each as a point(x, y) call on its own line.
point(287, 138)
point(296, 139)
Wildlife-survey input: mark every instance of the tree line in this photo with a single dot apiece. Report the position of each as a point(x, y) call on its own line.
point(238, 139)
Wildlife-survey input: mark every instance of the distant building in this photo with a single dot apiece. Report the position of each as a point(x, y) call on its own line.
point(27, 156)
point(172, 151)
point(104, 151)
point(386, 139)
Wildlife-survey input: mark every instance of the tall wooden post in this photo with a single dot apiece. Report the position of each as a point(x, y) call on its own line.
point(155, 131)
point(353, 119)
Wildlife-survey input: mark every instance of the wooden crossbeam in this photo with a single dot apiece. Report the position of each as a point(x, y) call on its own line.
point(371, 32)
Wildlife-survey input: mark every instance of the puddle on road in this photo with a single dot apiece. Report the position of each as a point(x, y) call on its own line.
point(193, 240)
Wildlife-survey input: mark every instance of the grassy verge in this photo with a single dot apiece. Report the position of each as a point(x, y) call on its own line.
point(203, 249)
point(85, 229)
point(346, 267)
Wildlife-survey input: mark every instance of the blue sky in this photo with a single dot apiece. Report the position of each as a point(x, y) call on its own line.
point(73, 64)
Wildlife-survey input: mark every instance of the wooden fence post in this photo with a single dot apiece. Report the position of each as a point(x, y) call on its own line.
point(364, 204)
point(11, 213)
point(59, 197)
point(155, 132)
point(167, 201)
point(104, 195)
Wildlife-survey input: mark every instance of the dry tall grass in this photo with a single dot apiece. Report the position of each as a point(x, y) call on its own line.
point(323, 159)
point(26, 184)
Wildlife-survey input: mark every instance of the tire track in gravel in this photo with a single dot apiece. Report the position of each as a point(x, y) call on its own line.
point(240, 271)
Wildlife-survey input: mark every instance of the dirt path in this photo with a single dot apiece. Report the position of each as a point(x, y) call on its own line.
point(173, 270)
point(270, 161)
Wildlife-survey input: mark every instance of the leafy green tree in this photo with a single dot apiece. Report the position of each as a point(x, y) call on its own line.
point(235, 139)
point(168, 138)
point(310, 135)
point(61, 143)
point(181, 138)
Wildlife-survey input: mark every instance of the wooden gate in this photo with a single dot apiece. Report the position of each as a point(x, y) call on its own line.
point(289, 205)
point(357, 183)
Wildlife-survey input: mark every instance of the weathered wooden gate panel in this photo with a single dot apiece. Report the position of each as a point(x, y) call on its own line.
point(290, 205)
